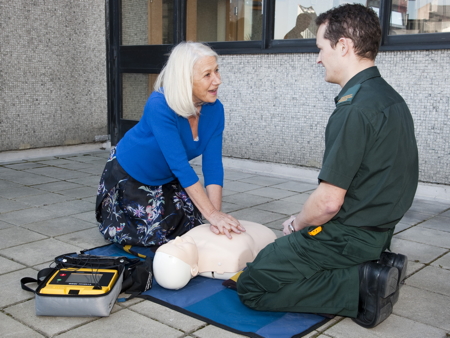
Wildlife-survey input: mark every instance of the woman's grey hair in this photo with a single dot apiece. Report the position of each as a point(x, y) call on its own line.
point(176, 78)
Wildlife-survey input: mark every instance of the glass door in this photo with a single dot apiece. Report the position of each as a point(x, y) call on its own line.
point(141, 33)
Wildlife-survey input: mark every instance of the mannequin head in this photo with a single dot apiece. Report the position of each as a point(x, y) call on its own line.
point(176, 263)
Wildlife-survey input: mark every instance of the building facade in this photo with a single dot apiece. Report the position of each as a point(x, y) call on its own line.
point(54, 77)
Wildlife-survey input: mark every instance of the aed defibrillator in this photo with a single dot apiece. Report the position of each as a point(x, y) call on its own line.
point(80, 281)
point(84, 285)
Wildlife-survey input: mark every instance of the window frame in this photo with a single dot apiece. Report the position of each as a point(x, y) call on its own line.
point(270, 46)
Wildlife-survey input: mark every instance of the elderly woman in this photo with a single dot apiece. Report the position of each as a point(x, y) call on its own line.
point(148, 193)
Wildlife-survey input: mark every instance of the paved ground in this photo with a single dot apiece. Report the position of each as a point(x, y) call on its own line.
point(46, 209)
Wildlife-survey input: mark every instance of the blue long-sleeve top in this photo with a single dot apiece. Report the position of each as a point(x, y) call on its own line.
point(159, 147)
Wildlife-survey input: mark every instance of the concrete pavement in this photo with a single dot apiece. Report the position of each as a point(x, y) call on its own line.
point(47, 200)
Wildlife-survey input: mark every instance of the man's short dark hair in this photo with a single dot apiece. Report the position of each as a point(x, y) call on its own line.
point(355, 22)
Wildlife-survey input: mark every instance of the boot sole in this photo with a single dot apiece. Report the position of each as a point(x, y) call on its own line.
point(388, 284)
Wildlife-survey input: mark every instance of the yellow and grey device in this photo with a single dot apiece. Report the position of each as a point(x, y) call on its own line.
point(80, 281)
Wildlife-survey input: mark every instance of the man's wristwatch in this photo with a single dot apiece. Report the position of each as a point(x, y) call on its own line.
point(291, 226)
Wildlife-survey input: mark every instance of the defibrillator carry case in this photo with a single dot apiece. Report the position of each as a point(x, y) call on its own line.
point(80, 285)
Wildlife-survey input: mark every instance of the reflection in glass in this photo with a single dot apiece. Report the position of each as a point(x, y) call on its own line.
point(147, 22)
point(420, 16)
point(294, 19)
point(224, 20)
point(136, 88)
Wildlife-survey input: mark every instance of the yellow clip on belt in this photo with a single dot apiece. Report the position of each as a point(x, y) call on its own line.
point(315, 231)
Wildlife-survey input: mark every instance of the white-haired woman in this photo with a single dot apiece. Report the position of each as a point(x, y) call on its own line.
point(148, 193)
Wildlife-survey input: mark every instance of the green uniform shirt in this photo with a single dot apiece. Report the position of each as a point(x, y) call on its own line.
point(371, 151)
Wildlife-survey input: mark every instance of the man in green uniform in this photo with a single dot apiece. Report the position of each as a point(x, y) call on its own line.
point(332, 258)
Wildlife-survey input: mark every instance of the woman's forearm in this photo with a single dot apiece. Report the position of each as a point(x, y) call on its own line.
point(214, 192)
point(201, 200)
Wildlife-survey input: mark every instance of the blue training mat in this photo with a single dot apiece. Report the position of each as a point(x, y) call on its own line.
point(208, 300)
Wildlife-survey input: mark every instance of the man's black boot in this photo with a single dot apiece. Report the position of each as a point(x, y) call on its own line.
point(377, 284)
point(398, 261)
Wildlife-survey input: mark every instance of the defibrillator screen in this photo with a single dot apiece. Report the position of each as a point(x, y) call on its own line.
point(84, 278)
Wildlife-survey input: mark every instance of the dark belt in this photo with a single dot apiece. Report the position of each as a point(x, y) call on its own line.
point(376, 229)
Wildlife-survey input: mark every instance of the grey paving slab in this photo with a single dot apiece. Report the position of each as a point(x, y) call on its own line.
point(5, 171)
point(16, 190)
point(91, 200)
point(46, 198)
point(89, 157)
point(85, 239)
point(296, 186)
point(59, 226)
point(5, 225)
point(96, 170)
point(16, 236)
point(54, 162)
point(138, 326)
point(13, 329)
point(56, 173)
point(70, 207)
point(424, 307)
point(7, 265)
point(281, 207)
point(277, 224)
point(31, 215)
point(297, 198)
point(5, 184)
point(433, 279)
point(235, 175)
point(74, 165)
point(24, 165)
point(439, 223)
point(272, 192)
point(39, 252)
point(264, 181)
point(88, 180)
point(27, 178)
point(256, 215)
point(239, 186)
point(57, 186)
point(48, 326)
point(393, 327)
point(7, 205)
point(413, 217)
point(213, 331)
point(82, 192)
point(88, 216)
point(443, 262)
point(80, 166)
point(230, 207)
point(413, 267)
point(431, 207)
point(445, 214)
point(11, 292)
point(246, 200)
point(400, 226)
point(426, 236)
point(93, 160)
point(226, 192)
point(422, 253)
point(168, 316)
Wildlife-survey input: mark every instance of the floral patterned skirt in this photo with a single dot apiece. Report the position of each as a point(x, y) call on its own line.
point(132, 213)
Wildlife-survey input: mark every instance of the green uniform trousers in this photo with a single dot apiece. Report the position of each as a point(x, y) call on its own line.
point(313, 274)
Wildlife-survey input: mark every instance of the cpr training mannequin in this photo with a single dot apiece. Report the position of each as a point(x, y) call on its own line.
point(201, 252)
